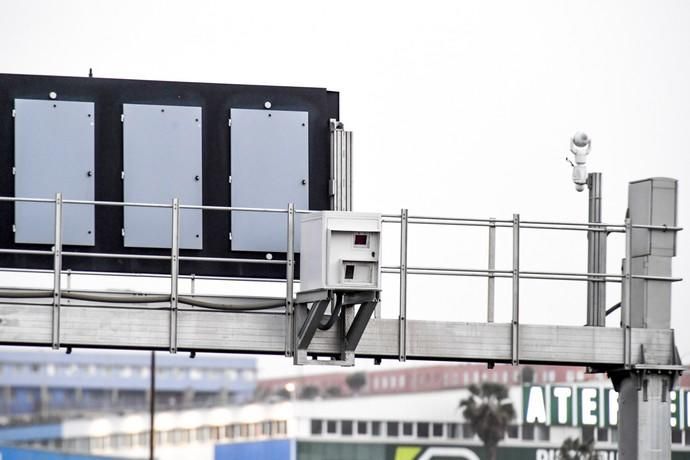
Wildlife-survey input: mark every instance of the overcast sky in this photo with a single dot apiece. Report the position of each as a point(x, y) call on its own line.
point(458, 108)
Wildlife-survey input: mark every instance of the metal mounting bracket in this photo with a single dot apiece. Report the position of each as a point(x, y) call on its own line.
point(350, 313)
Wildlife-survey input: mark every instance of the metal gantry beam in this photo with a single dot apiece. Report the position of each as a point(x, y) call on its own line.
point(146, 327)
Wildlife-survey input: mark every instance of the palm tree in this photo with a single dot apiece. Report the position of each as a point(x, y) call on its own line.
point(356, 381)
point(573, 449)
point(488, 411)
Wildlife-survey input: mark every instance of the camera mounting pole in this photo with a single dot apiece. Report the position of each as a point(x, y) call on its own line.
point(596, 255)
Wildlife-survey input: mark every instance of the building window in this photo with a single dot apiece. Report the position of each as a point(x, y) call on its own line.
point(437, 430)
point(512, 431)
point(407, 428)
point(453, 430)
point(376, 428)
point(587, 434)
point(361, 427)
point(331, 427)
point(687, 436)
point(614, 434)
point(542, 433)
point(528, 432)
point(422, 430)
point(676, 436)
point(204, 433)
point(392, 429)
point(467, 431)
point(346, 427)
point(602, 434)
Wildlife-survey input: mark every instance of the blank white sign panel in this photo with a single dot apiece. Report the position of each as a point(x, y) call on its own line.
point(269, 164)
point(162, 160)
point(54, 152)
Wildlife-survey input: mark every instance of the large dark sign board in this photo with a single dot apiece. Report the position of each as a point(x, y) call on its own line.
point(151, 141)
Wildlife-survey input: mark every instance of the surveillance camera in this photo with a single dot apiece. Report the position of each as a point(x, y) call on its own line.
point(580, 139)
point(580, 145)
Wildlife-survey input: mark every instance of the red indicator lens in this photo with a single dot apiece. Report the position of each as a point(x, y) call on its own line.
point(360, 240)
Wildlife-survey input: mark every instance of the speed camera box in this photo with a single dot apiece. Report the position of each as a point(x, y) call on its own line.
point(340, 251)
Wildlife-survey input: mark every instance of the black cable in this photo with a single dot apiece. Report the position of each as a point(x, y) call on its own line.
point(612, 309)
point(335, 314)
point(135, 298)
point(236, 307)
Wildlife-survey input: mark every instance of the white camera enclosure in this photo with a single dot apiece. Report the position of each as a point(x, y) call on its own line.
point(341, 251)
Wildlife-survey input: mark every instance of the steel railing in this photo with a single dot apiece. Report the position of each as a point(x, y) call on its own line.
point(403, 270)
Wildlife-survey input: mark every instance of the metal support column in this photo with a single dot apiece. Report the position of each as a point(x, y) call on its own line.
point(402, 317)
point(643, 385)
point(290, 326)
point(174, 273)
point(152, 407)
point(57, 273)
point(626, 301)
point(341, 167)
point(491, 294)
point(596, 256)
point(515, 323)
point(643, 417)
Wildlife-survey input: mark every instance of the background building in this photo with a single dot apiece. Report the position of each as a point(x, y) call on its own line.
point(414, 415)
point(39, 385)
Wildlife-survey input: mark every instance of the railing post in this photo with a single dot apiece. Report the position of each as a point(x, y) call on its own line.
point(290, 327)
point(627, 296)
point(515, 324)
point(57, 273)
point(402, 317)
point(174, 273)
point(490, 298)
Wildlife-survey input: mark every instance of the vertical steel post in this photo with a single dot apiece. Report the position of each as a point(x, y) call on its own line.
point(348, 185)
point(515, 324)
point(290, 327)
point(596, 256)
point(402, 316)
point(341, 167)
point(174, 273)
point(152, 407)
point(644, 405)
point(333, 186)
point(627, 296)
point(491, 294)
point(57, 273)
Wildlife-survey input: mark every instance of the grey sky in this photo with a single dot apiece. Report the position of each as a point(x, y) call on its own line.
point(459, 108)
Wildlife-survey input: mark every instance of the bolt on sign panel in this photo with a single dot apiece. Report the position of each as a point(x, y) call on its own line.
point(269, 164)
point(54, 152)
point(162, 161)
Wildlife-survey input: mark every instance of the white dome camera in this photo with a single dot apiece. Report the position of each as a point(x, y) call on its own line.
point(580, 145)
